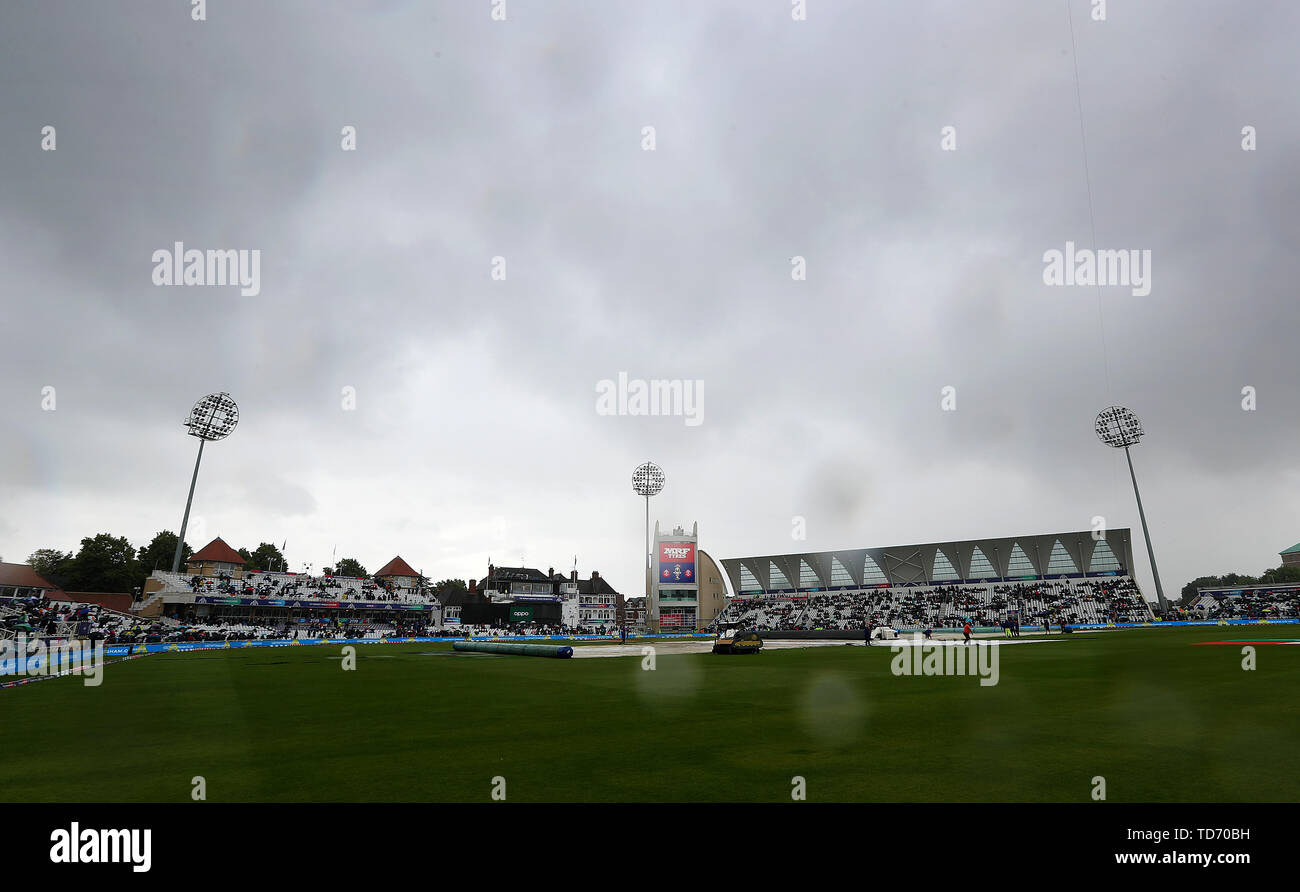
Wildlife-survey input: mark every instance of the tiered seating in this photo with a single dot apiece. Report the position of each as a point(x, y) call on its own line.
point(1114, 599)
point(68, 619)
point(1280, 603)
point(765, 613)
point(10, 619)
point(290, 585)
point(234, 631)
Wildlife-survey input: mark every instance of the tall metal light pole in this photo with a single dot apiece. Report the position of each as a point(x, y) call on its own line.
point(1118, 427)
point(212, 418)
point(648, 480)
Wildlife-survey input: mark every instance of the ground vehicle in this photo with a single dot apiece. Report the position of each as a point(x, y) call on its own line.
point(735, 642)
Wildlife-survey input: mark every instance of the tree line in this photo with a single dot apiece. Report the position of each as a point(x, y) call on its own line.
point(108, 563)
point(1275, 576)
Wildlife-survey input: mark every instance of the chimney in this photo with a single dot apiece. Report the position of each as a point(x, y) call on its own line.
point(550, 572)
point(595, 574)
point(573, 577)
point(473, 585)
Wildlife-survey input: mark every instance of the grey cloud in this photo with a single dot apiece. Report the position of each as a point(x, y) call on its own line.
point(775, 139)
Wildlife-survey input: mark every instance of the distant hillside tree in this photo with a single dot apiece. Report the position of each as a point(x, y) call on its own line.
point(52, 564)
point(1281, 575)
point(159, 553)
point(1235, 580)
point(105, 563)
point(350, 567)
point(265, 557)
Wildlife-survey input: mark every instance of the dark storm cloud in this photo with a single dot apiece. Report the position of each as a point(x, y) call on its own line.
point(475, 432)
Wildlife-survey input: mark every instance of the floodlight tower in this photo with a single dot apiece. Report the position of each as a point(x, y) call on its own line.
point(648, 480)
point(212, 418)
point(1118, 427)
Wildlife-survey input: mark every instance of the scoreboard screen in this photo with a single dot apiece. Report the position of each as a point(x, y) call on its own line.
point(677, 563)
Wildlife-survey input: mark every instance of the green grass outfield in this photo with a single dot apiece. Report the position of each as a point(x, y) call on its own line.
point(1158, 718)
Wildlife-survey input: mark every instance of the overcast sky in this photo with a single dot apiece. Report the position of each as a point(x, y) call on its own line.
point(475, 432)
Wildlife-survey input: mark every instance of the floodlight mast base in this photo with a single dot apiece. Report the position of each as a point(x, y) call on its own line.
point(649, 561)
point(647, 481)
point(1151, 555)
point(185, 521)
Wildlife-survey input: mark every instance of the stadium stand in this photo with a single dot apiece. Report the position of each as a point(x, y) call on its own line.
point(1251, 602)
point(291, 585)
point(1074, 601)
point(64, 619)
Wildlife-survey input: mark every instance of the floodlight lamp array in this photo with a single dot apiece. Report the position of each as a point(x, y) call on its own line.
point(648, 479)
point(213, 417)
point(1118, 427)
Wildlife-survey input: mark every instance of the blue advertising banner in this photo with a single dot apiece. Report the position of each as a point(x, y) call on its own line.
point(230, 601)
point(119, 650)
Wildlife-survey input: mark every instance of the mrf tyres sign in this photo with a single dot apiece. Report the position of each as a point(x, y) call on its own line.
point(676, 563)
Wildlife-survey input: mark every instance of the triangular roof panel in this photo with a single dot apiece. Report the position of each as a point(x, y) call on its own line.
point(1060, 560)
point(1102, 558)
point(1020, 564)
point(980, 567)
point(778, 578)
point(807, 577)
point(219, 552)
point(871, 572)
point(839, 575)
point(943, 569)
point(397, 567)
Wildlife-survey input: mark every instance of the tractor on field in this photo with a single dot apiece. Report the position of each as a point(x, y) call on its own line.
point(733, 641)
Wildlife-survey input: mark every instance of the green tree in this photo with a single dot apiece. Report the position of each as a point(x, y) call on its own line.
point(451, 584)
point(350, 567)
point(51, 564)
point(1229, 579)
point(105, 563)
point(159, 554)
point(1280, 575)
point(265, 557)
